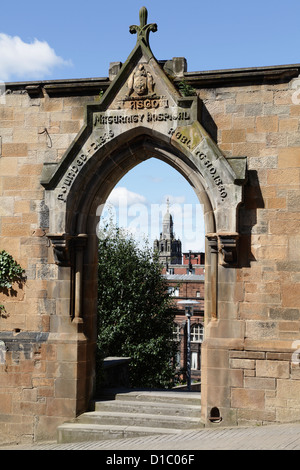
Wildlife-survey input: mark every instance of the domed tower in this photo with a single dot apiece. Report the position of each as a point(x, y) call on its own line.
point(167, 246)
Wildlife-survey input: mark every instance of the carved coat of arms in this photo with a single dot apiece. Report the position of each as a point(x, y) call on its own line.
point(141, 82)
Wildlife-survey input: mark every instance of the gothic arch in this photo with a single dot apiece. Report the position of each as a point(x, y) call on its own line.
point(91, 182)
point(104, 171)
point(122, 130)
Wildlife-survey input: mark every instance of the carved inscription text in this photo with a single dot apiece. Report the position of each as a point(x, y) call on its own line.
point(203, 158)
point(101, 119)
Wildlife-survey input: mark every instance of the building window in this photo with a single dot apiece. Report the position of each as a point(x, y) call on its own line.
point(197, 333)
point(198, 293)
point(174, 291)
point(176, 332)
point(190, 271)
point(177, 359)
point(194, 360)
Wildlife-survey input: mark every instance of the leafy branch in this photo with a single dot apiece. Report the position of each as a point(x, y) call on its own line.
point(186, 89)
point(10, 272)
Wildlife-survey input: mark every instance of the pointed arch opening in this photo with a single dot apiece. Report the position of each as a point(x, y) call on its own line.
point(84, 209)
point(168, 218)
point(75, 210)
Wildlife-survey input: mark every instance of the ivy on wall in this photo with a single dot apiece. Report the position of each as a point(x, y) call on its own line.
point(10, 272)
point(186, 89)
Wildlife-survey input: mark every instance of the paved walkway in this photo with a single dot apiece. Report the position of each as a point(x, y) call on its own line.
point(271, 437)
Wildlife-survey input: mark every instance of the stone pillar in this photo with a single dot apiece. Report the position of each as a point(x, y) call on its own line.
point(67, 338)
point(79, 245)
point(212, 278)
point(223, 330)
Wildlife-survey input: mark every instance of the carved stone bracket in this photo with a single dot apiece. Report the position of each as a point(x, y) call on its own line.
point(60, 243)
point(212, 239)
point(69, 252)
point(64, 245)
point(226, 246)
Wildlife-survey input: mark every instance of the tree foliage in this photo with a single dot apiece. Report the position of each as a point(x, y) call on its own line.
point(135, 315)
point(10, 272)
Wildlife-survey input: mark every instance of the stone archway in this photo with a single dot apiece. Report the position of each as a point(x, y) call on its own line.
point(141, 115)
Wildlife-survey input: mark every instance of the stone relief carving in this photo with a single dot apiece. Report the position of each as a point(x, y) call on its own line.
point(141, 92)
point(141, 82)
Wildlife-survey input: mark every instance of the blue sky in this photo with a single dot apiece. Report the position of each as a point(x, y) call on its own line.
point(211, 35)
point(64, 39)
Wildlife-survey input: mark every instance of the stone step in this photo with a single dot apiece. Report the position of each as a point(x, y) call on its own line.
point(164, 396)
point(69, 432)
point(139, 419)
point(134, 413)
point(148, 407)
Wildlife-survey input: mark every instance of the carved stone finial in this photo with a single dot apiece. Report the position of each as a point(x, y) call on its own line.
point(144, 29)
point(143, 16)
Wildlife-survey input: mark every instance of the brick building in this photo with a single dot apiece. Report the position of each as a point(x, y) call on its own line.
point(185, 275)
point(188, 287)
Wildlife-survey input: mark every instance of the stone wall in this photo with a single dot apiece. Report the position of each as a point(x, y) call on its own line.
point(34, 372)
point(247, 363)
point(261, 121)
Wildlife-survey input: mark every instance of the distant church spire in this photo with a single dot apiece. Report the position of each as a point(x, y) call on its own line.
point(167, 246)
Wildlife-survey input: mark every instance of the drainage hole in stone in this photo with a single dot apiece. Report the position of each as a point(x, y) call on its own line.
point(215, 416)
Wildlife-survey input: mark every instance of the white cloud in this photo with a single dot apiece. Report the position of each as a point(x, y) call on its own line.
point(20, 59)
point(121, 196)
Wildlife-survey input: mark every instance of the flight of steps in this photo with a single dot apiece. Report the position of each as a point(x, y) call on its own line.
point(135, 413)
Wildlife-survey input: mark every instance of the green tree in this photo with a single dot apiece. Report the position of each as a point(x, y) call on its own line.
point(135, 314)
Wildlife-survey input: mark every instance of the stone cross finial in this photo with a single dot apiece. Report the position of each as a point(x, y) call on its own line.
point(144, 29)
